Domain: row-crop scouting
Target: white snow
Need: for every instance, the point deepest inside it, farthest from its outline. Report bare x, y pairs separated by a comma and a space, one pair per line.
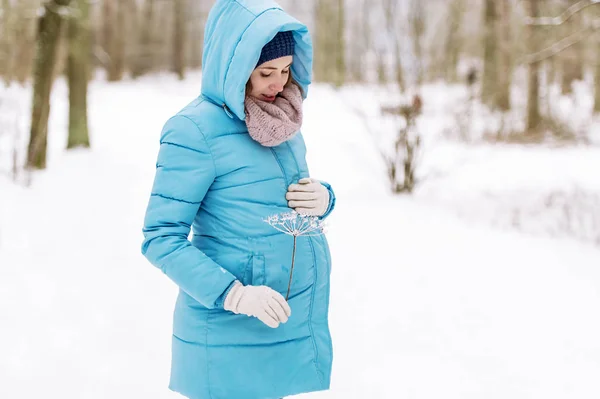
429, 300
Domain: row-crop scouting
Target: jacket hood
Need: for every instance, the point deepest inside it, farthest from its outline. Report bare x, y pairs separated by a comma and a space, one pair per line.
235, 34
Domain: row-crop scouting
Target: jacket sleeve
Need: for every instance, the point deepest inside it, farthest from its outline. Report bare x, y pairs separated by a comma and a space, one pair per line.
185, 169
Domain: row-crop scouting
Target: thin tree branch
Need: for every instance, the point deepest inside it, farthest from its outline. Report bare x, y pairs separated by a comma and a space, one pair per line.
564, 17
563, 44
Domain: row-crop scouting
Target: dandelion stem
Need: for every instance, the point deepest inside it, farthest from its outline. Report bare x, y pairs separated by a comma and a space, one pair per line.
291, 270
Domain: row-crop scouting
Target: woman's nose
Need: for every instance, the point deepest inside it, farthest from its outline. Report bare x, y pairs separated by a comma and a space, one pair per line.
277, 86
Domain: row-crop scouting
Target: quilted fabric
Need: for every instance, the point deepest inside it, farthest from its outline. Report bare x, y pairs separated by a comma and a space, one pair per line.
214, 181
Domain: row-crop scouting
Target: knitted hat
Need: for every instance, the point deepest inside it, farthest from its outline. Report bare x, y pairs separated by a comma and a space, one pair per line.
280, 46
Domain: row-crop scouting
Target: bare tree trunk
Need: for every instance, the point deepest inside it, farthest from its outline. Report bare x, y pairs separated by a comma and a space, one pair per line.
322, 32
552, 67
453, 42
49, 27
106, 38
107, 29
358, 44
118, 49
6, 41
132, 38
572, 57
144, 57
533, 107
597, 69
113, 38
179, 12
78, 71
196, 28
504, 55
354, 52
25, 40
330, 65
62, 51
382, 77
162, 40
553, 34
597, 80
365, 38
417, 27
340, 46
489, 84
392, 15
399, 69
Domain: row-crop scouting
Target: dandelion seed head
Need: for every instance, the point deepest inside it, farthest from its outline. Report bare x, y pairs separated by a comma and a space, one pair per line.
289, 216
272, 219
296, 224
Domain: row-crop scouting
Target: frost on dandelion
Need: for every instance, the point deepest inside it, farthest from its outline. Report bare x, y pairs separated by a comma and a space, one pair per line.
296, 224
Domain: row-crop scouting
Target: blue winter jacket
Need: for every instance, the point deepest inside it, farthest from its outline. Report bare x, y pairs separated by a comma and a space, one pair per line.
212, 178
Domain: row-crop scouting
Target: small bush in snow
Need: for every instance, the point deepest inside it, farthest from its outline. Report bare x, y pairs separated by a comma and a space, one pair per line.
402, 162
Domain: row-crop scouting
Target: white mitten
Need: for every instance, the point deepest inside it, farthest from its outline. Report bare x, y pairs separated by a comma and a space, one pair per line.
262, 302
309, 197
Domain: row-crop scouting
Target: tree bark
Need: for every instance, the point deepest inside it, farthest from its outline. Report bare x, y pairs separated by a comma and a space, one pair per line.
78, 71
107, 31
329, 57
132, 17
162, 41
572, 57
49, 26
597, 70
392, 15
340, 46
179, 38
358, 44
453, 42
323, 35
489, 84
417, 24
196, 42
382, 77
144, 56
118, 70
533, 107
6, 42
25, 40
504, 55
597, 80
113, 39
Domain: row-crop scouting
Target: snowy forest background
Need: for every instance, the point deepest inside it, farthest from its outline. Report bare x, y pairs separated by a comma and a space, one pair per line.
462, 138
500, 74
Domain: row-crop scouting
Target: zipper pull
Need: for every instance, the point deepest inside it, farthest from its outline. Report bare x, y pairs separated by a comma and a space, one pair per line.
227, 111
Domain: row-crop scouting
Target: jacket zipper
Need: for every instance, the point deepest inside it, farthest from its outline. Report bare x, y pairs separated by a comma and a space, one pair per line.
310, 239
280, 166
293, 157
227, 111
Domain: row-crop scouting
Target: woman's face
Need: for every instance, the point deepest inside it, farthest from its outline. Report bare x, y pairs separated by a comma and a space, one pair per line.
269, 78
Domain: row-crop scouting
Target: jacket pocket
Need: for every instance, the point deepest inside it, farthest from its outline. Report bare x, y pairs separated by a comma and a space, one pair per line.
246, 277
257, 263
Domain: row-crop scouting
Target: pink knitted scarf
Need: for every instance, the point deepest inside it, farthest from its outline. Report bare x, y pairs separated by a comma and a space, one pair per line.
273, 123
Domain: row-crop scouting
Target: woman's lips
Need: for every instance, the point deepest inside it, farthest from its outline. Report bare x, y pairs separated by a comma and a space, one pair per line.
268, 98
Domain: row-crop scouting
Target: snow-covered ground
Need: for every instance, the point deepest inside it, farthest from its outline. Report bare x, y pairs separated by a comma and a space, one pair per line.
425, 304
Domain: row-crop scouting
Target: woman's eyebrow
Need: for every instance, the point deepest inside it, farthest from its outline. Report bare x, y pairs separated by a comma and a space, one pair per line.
273, 68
